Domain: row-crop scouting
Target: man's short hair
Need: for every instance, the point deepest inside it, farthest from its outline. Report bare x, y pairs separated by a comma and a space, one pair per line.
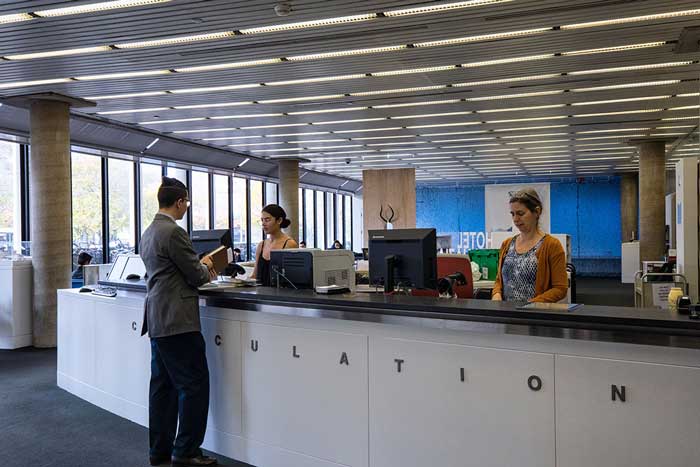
84, 258
171, 190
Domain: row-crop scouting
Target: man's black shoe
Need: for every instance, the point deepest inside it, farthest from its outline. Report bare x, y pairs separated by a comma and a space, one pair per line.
159, 460
194, 461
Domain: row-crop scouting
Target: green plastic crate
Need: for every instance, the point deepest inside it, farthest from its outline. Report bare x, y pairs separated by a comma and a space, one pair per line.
487, 258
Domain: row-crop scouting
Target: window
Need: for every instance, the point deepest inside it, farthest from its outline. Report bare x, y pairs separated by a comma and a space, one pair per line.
122, 222
221, 201
10, 230
310, 236
320, 220
347, 219
199, 194
270, 193
256, 232
150, 182
86, 183
302, 231
240, 216
339, 219
180, 174
330, 220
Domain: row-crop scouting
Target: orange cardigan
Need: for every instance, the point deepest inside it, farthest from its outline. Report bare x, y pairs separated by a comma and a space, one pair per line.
551, 282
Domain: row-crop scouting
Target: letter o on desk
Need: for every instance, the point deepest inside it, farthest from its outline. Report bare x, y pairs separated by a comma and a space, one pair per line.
217, 340
534, 382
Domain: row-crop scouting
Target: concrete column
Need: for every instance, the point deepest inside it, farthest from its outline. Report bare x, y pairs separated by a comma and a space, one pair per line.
50, 212
289, 194
652, 193
629, 207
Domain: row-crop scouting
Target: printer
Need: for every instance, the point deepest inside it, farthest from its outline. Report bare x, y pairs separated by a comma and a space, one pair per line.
308, 268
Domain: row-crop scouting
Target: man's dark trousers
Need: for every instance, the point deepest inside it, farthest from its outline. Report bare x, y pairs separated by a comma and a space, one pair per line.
179, 388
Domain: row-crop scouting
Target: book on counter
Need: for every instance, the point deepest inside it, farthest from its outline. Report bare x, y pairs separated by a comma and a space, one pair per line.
537, 306
220, 258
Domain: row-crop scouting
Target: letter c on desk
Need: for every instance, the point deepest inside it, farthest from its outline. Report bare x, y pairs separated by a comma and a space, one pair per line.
217, 340
254, 345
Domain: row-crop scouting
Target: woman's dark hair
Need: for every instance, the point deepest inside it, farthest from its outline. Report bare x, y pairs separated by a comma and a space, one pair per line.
84, 258
171, 190
278, 213
528, 197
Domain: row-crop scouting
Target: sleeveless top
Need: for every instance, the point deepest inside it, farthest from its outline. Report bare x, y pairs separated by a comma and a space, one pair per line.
263, 268
519, 272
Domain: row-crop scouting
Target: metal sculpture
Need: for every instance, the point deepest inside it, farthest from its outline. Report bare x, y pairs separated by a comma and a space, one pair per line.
387, 221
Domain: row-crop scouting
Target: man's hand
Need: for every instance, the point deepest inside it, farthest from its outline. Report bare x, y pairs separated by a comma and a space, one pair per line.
207, 261
497, 297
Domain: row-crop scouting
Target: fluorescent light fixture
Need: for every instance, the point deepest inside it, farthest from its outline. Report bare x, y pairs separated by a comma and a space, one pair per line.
527, 128
301, 99
233, 117
308, 133
621, 130
531, 119
15, 18
650, 66
399, 143
204, 130
231, 87
309, 24
128, 74
176, 40
314, 141
280, 125
397, 90
227, 66
58, 53
152, 143
244, 162
175, 120
346, 53
441, 7
334, 122
689, 94
368, 130
224, 138
622, 112
208, 106
481, 145
408, 71
133, 111
323, 111
127, 95
533, 136
615, 101
238, 145
473, 132
544, 141
502, 61
628, 85
21, 84
459, 140
685, 107
439, 125
443, 114
601, 158
95, 7
517, 109
320, 79
673, 119
631, 19
619, 48
482, 37
506, 80
412, 104
514, 96
383, 137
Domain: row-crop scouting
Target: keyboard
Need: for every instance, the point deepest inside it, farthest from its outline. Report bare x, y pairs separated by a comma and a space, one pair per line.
105, 291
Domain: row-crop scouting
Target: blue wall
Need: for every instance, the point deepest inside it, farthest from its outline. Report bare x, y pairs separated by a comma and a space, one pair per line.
588, 210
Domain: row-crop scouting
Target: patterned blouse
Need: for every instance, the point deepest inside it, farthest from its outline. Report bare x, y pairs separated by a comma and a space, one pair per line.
519, 272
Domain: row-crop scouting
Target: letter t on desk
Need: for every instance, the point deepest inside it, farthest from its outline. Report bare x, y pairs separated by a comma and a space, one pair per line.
399, 362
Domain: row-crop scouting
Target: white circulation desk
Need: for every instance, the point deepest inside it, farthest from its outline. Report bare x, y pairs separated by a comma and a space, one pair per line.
15, 303
364, 380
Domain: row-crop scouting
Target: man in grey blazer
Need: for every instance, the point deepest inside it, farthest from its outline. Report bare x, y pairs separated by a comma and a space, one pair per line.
179, 388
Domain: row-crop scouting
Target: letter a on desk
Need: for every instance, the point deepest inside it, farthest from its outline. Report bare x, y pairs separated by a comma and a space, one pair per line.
344, 359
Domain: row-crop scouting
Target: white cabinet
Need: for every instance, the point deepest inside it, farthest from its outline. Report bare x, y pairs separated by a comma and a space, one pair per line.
76, 338
223, 341
15, 304
452, 406
306, 391
614, 413
122, 355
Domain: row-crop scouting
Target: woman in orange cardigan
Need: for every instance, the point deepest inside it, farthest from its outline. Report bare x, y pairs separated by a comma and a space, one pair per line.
532, 264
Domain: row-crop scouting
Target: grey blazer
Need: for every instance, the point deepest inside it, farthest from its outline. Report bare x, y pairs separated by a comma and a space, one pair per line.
174, 273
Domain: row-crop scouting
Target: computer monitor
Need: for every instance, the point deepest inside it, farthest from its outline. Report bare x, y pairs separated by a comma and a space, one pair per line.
403, 256
206, 241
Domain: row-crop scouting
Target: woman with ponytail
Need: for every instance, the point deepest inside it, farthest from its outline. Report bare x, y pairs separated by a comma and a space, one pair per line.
273, 219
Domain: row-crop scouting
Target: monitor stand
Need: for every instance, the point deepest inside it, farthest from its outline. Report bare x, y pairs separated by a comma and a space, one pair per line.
390, 263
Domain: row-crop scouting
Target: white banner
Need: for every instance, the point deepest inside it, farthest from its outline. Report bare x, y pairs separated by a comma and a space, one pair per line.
497, 210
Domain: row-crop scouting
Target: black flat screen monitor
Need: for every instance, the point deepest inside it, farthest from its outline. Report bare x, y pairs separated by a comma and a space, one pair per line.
403, 257
206, 241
